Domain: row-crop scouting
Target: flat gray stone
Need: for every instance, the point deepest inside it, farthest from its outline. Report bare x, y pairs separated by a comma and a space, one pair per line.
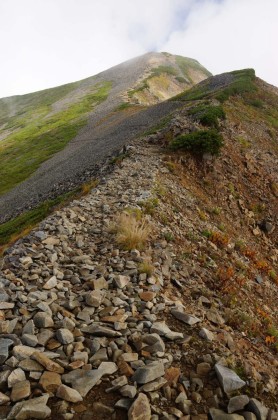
128, 391
214, 316
186, 318
30, 340
117, 383
154, 343
17, 375
35, 408
82, 381
148, 373
68, 394
217, 414
64, 336
121, 281
237, 403
43, 320
228, 379
257, 408
95, 298
206, 334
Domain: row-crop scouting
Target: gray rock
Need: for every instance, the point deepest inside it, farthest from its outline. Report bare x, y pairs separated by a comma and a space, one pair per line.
95, 298
214, 316
12, 362
29, 327
124, 404
43, 320
64, 336
30, 340
187, 319
68, 394
128, 391
117, 383
228, 379
183, 403
17, 375
237, 403
154, 343
257, 408
99, 356
140, 409
51, 283
107, 368
30, 365
154, 385
4, 297
162, 328
35, 408
148, 373
206, 334
121, 281
100, 283
217, 414
5, 344
23, 352
83, 381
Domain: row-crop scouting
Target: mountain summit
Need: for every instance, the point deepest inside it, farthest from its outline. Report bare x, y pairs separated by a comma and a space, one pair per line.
37, 126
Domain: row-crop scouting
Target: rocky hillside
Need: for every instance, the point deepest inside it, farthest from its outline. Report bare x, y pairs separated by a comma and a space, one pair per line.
155, 295
70, 122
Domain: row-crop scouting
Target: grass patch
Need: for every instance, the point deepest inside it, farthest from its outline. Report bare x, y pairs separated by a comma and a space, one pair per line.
23, 151
123, 106
199, 142
159, 126
146, 267
186, 64
130, 232
245, 144
163, 70
221, 87
208, 115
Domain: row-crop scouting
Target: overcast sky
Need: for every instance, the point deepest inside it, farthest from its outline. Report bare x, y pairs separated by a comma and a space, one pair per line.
45, 43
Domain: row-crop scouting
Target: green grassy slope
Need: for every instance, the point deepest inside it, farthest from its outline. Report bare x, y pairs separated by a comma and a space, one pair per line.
36, 133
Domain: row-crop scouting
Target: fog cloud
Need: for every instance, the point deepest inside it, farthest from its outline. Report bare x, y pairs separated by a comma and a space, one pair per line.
45, 43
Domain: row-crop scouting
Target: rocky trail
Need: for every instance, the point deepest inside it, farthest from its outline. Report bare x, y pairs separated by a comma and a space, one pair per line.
92, 331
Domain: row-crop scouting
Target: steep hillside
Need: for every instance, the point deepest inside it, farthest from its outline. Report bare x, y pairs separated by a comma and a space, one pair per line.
154, 296
147, 298
34, 127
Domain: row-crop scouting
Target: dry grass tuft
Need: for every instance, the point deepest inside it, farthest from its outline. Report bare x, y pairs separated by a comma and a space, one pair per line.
146, 267
131, 233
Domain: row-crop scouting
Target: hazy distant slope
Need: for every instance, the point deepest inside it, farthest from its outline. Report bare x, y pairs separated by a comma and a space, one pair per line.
35, 126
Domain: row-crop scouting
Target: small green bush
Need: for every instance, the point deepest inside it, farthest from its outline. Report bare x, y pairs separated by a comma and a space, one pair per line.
257, 103
199, 142
208, 115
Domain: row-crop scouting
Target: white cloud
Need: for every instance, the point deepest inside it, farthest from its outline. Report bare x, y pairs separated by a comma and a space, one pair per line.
231, 35
44, 43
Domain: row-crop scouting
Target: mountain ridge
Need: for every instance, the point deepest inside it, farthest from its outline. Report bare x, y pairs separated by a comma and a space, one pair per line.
153, 290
